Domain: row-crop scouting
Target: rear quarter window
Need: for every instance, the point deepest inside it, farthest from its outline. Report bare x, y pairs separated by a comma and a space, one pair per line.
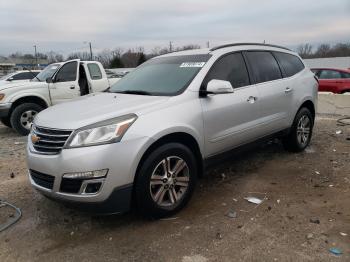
290, 64
264, 66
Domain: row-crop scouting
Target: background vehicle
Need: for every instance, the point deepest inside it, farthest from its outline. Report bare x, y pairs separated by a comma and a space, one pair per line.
149, 137
333, 80
57, 83
18, 76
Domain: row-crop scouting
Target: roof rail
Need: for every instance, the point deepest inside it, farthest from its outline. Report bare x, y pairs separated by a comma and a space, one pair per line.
238, 44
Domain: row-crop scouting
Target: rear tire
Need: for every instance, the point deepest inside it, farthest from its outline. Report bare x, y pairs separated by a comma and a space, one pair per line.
301, 131
6, 121
165, 181
22, 117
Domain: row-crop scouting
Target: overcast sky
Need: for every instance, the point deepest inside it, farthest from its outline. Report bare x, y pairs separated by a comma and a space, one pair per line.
64, 25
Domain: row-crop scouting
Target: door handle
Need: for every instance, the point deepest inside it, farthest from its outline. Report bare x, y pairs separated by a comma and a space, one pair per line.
72, 87
252, 99
288, 90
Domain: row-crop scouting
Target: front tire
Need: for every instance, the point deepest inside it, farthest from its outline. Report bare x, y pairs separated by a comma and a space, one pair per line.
165, 181
300, 134
22, 117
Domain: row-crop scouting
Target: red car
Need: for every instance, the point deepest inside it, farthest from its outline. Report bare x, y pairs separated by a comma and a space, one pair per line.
333, 80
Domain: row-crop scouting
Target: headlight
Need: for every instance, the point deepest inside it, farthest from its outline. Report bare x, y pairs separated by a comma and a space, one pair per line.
2, 96
105, 132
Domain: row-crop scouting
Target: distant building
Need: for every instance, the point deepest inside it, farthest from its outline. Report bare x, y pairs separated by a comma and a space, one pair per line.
8, 65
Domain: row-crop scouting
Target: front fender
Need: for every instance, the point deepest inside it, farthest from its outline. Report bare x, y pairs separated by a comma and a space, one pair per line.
15, 97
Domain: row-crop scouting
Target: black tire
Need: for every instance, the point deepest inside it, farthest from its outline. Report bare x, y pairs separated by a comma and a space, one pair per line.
291, 142
145, 203
17, 113
6, 121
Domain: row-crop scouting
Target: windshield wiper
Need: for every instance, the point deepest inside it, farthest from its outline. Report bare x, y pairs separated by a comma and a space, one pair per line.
32, 74
135, 92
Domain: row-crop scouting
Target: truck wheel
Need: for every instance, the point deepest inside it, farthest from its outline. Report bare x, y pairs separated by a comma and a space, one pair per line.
6, 121
301, 131
22, 117
165, 181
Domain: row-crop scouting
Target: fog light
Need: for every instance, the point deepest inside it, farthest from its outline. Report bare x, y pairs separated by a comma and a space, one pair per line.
93, 188
87, 174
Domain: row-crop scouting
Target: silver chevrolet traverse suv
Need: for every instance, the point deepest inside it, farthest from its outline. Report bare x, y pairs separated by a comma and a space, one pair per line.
143, 142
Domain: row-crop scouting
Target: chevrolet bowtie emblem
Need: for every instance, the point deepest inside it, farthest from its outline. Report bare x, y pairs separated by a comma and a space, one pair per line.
34, 138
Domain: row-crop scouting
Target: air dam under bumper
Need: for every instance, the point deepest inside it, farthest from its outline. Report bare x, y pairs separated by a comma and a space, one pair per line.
115, 193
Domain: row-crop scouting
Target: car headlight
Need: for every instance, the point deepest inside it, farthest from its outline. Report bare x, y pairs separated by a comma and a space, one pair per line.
105, 132
2, 96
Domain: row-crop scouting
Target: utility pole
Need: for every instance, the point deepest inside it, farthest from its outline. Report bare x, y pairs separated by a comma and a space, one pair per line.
170, 46
90, 51
36, 56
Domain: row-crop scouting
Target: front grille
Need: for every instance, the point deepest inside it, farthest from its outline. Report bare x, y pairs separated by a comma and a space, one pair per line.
42, 179
69, 185
49, 141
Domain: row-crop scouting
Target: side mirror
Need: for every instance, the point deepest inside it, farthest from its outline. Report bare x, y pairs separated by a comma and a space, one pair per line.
49, 80
216, 86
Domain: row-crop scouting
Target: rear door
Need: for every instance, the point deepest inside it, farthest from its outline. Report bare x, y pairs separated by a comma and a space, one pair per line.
274, 92
65, 84
330, 80
230, 119
96, 77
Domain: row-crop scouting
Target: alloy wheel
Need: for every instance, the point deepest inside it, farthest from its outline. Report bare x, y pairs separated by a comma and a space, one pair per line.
169, 181
27, 118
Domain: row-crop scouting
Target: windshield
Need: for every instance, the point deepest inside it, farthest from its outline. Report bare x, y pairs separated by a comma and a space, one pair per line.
47, 72
6, 76
163, 76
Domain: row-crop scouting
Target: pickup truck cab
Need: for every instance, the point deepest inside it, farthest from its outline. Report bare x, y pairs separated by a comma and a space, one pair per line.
57, 83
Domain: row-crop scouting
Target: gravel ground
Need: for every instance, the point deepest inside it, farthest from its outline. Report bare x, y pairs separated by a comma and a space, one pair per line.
306, 208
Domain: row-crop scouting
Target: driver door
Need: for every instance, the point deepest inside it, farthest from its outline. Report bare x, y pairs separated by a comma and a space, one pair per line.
230, 119
65, 84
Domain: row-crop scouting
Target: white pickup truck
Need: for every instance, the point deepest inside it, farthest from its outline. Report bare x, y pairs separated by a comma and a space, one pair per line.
57, 83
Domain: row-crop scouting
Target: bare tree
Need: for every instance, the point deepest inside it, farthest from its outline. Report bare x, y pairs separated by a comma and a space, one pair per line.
188, 47
79, 55
53, 57
305, 50
322, 50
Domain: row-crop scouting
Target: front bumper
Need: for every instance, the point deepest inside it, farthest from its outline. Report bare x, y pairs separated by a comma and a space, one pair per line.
5, 109
121, 159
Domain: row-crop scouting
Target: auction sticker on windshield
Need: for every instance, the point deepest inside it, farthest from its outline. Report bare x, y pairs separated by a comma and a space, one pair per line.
192, 64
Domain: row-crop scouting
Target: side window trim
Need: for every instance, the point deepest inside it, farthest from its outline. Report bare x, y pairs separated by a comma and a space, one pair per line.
203, 87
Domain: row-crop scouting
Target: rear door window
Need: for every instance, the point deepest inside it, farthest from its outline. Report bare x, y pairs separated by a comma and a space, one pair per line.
230, 68
264, 66
329, 74
290, 64
94, 71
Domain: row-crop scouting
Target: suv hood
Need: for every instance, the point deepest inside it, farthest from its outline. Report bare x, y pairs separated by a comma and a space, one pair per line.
94, 108
33, 84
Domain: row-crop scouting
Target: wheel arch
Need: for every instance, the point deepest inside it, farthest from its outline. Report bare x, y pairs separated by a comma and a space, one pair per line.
29, 99
309, 105
176, 137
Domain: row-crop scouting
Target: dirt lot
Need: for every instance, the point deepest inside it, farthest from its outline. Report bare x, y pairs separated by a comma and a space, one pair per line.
300, 188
